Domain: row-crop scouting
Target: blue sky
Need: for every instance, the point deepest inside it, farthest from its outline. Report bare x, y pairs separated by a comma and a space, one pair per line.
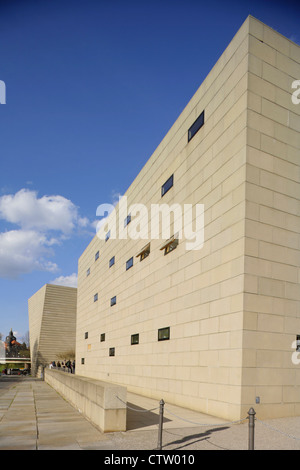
92, 87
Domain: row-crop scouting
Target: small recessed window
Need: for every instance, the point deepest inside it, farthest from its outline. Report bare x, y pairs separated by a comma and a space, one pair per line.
127, 220
113, 301
88, 272
86, 335
82, 360
170, 244
135, 339
95, 297
111, 261
171, 247
102, 337
196, 126
107, 236
129, 263
298, 343
111, 351
167, 185
163, 334
144, 252
96, 255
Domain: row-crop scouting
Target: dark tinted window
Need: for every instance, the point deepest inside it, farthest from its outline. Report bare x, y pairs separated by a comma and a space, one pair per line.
163, 334
135, 339
127, 220
129, 263
196, 126
167, 185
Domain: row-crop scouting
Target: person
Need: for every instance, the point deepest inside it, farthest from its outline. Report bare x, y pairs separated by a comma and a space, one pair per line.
58, 364
73, 366
68, 365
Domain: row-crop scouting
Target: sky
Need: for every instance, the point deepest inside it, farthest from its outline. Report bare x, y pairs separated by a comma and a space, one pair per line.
91, 89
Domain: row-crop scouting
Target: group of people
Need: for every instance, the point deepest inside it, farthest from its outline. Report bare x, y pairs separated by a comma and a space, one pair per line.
64, 365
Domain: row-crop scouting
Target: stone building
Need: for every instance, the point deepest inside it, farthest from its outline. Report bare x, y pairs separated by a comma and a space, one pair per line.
214, 328
52, 324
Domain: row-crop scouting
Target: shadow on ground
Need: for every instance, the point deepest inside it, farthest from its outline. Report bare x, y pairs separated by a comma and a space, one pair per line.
138, 417
185, 441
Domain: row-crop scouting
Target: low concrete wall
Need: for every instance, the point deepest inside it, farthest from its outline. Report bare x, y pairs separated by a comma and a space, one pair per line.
95, 399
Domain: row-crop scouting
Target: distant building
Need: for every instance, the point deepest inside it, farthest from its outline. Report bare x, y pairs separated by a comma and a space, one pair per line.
52, 324
11, 345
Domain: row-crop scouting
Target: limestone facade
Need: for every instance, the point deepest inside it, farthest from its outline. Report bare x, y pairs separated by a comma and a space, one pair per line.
210, 329
52, 324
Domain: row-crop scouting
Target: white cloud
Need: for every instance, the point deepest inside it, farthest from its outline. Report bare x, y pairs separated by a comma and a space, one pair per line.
23, 251
69, 281
83, 222
41, 224
115, 197
47, 213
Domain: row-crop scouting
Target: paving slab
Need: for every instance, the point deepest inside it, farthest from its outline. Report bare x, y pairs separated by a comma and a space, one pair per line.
33, 416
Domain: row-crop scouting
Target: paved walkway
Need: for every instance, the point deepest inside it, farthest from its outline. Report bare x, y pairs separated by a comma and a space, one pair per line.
33, 416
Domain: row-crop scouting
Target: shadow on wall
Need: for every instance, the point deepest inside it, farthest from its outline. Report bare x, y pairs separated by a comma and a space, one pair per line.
37, 360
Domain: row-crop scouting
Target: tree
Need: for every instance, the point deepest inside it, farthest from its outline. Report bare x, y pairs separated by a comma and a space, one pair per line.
25, 339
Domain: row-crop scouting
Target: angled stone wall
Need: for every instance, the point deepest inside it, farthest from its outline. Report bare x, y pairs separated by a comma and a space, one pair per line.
52, 324
103, 403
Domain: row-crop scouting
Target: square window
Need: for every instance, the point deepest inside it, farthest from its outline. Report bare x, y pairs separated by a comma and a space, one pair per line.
88, 272
167, 185
164, 334
102, 337
298, 343
82, 360
129, 263
96, 297
86, 335
111, 351
111, 261
135, 339
196, 126
113, 301
96, 255
107, 236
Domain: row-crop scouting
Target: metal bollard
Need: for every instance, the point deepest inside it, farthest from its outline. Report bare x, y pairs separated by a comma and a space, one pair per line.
251, 414
160, 424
